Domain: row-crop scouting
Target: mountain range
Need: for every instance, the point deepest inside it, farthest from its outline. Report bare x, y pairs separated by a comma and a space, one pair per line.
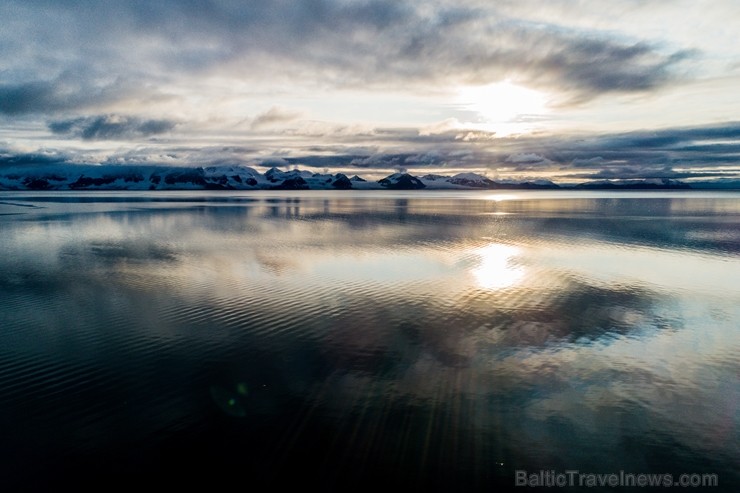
122, 177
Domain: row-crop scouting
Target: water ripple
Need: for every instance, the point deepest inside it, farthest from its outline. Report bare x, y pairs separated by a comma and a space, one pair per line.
437, 341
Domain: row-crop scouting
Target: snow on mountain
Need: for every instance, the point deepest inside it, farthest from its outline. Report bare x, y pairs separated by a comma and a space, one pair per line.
130, 177
649, 184
507, 183
473, 180
306, 180
75, 177
401, 181
237, 177
275, 175
433, 177
119, 177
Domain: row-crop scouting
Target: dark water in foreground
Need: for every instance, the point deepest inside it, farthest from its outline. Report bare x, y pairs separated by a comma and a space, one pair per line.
437, 341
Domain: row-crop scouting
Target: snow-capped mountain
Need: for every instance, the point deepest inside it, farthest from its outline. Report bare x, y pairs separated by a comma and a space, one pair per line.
402, 181
123, 177
117, 177
649, 183
472, 180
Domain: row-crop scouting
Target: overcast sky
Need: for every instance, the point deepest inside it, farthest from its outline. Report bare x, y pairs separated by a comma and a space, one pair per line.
566, 89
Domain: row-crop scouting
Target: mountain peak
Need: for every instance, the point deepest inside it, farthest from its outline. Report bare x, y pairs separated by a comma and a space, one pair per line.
402, 181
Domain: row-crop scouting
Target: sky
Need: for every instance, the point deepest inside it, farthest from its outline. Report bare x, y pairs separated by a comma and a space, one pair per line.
569, 90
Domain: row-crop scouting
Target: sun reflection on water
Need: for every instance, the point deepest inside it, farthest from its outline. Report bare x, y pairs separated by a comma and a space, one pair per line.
500, 197
496, 268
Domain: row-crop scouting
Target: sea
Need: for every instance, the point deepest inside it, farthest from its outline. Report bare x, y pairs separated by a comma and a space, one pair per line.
370, 340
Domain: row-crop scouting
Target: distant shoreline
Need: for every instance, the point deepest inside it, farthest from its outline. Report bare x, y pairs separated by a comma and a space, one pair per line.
243, 178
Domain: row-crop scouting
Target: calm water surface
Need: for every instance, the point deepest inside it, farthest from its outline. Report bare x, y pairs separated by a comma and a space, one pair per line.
437, 341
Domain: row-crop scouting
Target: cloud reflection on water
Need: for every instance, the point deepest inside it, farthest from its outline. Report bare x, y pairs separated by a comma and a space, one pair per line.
535, 337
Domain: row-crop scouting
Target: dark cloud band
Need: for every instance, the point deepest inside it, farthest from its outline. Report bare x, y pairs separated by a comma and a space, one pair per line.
110, 127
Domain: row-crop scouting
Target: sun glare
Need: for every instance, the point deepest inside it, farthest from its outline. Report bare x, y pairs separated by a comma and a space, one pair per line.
502, 106
496, 269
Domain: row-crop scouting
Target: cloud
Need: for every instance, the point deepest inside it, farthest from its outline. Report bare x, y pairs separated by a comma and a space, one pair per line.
110, 127
527, 158
652, 153
694, 152
588, 162
638, 172
29, 97
64, 92
475, 135
275, 162
431, 158
9, 157
275, 116
590, 67
353, 132
672, 146
381, 160
331, 43
445, 126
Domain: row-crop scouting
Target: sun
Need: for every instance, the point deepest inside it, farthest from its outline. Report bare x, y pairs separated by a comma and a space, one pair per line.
503, 106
